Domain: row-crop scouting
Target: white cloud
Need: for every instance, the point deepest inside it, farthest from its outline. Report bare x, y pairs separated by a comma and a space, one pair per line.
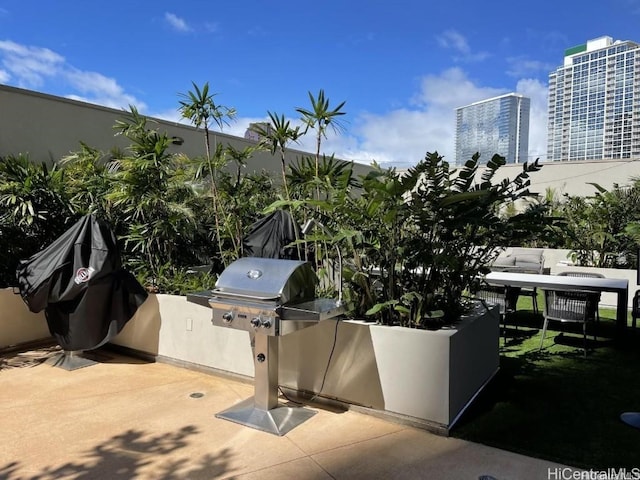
403, 136
177, 23
211, 27
453, 40
31, 67
99, 89
451, 89
236, 127
521, 67
239, 126
538, 93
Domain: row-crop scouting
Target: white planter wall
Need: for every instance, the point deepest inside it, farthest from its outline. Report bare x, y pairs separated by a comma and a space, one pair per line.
426, 375
429, 376
17, 324
170, 327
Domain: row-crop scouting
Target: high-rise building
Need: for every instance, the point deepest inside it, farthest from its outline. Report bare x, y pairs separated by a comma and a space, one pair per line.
594, 102
496, 125
253, 132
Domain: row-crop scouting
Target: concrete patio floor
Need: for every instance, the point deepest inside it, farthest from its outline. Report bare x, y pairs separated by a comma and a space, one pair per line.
124, 418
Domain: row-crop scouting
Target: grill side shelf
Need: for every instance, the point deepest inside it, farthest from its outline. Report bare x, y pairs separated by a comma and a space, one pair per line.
200, 298
314, 310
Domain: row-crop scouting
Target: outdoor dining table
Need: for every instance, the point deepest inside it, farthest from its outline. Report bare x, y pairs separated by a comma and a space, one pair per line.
584, 284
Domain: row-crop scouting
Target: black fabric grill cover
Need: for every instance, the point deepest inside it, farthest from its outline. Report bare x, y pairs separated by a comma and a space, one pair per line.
79, 282
269, 237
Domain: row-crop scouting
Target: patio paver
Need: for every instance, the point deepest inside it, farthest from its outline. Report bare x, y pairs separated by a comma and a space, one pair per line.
124, 418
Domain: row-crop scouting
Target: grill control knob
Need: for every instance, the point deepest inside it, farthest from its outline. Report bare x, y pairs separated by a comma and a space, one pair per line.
266, 323
227, 317
256, 322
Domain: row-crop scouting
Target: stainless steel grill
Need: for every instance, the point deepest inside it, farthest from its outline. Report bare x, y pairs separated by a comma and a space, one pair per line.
268, 298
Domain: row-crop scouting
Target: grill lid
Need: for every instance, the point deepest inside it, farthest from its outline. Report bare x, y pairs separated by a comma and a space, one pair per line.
254, 278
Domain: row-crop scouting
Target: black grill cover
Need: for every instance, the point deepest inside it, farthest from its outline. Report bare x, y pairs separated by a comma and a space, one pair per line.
79, 282
270, 236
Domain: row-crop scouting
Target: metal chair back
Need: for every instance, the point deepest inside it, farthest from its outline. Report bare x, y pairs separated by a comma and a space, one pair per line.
568, 306
505, 297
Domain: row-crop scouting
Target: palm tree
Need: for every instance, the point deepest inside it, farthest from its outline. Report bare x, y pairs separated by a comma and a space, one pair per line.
200, 108
233, 222
275, 137
149, 197
320, 117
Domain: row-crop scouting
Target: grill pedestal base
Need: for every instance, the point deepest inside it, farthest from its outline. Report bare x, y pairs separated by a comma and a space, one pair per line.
262, 410
279, 420
72, 360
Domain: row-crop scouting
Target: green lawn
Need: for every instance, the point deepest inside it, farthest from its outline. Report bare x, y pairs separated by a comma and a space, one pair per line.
555, 404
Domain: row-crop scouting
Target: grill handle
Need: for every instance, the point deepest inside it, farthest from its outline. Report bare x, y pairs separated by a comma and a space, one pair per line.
222, 293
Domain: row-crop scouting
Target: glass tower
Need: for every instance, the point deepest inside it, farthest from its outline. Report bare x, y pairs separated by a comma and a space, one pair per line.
594, 102
496, 125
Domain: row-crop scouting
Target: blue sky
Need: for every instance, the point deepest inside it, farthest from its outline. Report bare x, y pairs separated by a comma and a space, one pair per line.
402, 67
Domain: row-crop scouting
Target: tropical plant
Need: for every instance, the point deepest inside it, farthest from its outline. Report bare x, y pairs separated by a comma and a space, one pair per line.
459, 227
320, 117
170, 279
412, 244
199, 106
600, 229
244, 197
332, 173
151, 194
419, 241
275, 136
34, 210
87, 175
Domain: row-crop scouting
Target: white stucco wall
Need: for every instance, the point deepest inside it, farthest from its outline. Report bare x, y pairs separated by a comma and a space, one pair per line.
171, 327
575, 178
17, 324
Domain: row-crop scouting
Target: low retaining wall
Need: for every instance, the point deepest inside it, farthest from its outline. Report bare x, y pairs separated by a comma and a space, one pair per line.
169, 327
17, 324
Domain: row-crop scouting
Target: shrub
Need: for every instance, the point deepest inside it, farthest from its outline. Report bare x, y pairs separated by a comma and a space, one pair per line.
417, 242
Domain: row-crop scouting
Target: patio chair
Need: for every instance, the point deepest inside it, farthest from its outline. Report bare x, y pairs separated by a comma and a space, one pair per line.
594, 296
523, 260
503, 296
568, 306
